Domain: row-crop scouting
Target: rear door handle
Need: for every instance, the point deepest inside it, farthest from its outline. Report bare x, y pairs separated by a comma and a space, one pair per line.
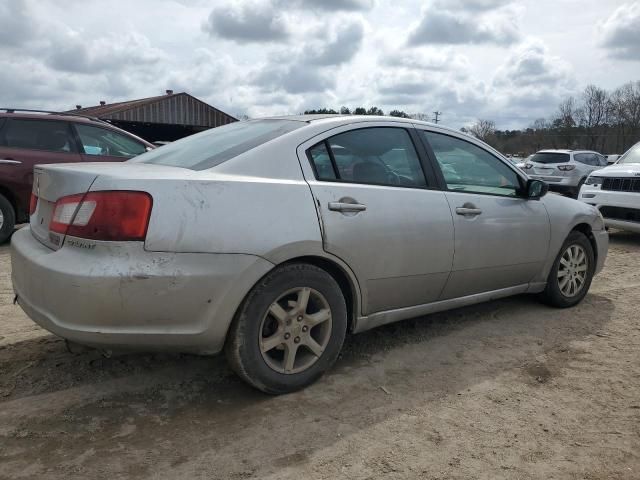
9, 161
346, 207
468, 210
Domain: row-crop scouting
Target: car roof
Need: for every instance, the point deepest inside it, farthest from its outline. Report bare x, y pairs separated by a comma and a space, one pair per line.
346, 119
53, 116
70, 117
564, 150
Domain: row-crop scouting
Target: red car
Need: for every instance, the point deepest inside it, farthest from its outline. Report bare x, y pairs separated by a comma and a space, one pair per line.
28, 139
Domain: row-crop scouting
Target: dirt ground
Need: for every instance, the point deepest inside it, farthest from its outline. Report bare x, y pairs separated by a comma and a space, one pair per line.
508, 389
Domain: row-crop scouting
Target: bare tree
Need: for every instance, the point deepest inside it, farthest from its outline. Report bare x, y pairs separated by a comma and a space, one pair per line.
482, 129
420, 116
592, 113
565, 123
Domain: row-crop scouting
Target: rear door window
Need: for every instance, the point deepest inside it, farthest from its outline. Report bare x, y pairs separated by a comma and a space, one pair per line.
587, 159
48, 135
101, 141
376, 155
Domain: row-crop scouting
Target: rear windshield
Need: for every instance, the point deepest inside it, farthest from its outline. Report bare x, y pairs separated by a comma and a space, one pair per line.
213, 147
632, 155
550, 158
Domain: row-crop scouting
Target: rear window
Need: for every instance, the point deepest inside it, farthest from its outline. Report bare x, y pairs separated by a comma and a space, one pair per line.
550, 158
632, 155
213, 147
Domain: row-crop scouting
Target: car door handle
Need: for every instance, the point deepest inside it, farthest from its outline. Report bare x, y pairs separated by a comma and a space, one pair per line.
468, 211
346, 207
9, 161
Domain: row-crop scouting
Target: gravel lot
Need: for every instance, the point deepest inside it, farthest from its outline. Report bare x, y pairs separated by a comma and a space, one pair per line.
509, 389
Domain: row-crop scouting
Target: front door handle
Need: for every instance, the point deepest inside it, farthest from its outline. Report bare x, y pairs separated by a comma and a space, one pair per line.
9, 161
468, 210
346, 207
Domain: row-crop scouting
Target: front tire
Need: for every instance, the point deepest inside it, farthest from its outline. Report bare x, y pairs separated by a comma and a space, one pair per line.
572, 272
289, 330
7, 219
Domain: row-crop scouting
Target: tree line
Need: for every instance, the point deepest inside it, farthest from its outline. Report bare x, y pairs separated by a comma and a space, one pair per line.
357, 111
597, 119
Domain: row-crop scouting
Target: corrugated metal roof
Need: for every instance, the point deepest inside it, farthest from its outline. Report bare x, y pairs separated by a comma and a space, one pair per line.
172, 109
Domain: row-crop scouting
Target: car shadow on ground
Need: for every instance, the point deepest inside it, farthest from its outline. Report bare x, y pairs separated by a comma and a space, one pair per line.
620, 237
171, 399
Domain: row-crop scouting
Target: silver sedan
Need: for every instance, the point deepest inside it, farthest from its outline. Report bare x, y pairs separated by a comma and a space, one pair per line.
272, 238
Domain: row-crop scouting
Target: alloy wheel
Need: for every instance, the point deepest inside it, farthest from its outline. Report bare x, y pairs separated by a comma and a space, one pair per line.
572, 271
295, 330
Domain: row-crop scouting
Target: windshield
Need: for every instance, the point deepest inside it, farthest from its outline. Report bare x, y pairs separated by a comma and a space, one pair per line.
217, 145
632, 155
550, 157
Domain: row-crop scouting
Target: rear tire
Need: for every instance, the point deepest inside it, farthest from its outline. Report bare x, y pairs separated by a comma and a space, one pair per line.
7, 219
566, 284
289, 330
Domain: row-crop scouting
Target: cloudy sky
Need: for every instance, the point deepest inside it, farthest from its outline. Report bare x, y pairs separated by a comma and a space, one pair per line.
509, 61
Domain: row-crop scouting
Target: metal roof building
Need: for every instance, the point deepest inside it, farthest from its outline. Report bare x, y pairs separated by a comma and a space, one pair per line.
163, 118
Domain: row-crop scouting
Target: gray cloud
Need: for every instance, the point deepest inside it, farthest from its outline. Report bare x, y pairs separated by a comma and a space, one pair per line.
470, 5
69, 52
439, 26
620, 33
294, 79
16, 24
342, 48
248, 22
406, 88
331, 5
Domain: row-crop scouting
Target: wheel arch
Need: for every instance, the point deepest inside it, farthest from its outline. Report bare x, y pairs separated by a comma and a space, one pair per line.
6, 193
585, 229
346, 281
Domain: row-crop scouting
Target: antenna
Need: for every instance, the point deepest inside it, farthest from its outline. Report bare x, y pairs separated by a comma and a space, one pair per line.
436, 116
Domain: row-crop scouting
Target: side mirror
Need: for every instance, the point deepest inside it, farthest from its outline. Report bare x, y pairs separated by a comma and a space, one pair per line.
536, 189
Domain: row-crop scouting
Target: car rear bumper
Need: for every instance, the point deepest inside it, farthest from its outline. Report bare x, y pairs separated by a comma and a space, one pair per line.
118, 295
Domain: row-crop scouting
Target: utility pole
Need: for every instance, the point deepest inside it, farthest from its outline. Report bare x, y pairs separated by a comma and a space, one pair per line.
435, 117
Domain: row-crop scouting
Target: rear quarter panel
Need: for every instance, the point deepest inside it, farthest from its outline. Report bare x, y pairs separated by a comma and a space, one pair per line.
216, 211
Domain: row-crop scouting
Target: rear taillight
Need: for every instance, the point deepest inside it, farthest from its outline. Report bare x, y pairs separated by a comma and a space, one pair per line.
566, 168
108, 215
33, 203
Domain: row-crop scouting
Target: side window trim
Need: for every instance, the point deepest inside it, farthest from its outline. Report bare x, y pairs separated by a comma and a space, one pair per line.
441, 180
410, 132
332, 157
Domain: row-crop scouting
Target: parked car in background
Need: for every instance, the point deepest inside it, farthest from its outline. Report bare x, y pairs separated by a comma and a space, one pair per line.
273, 238
28, 139
564, 170
615, 190
612, 158
521, 163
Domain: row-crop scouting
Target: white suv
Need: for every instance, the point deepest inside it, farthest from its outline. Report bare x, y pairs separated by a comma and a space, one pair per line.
564, 170
615, 190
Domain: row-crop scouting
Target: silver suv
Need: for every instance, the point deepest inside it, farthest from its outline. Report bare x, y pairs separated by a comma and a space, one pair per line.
564, 170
